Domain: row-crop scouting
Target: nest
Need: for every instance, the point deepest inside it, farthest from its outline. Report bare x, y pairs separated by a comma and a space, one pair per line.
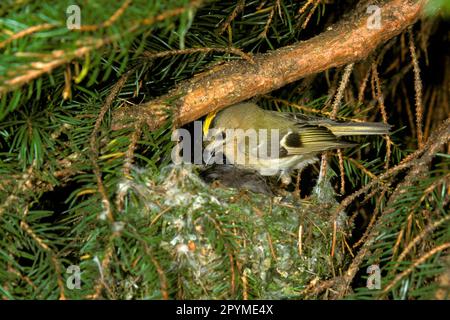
220, 243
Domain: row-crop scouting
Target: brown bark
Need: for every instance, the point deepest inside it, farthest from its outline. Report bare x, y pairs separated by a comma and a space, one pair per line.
346, 42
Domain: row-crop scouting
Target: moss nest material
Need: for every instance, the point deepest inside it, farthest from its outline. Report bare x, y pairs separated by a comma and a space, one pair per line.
220, 243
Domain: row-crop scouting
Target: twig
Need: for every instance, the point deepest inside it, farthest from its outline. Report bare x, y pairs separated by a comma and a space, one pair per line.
239, 7
154, 55
230, 251
263, 34
380, 98
340, 93
20, 186
162, 212
300, 240
333, 242
129, 157
130, 151
94, 144
361, 167
363, 86
169, 14
422, 235
308, 109
305, 6
110, 20
418, 89
39, 241
416, 263
26, 227
244, 286
398, 241
103, 266
161, 274
372, 221
341, 170
323, 167
26, 32
271, 247
315, 286
316, 4
67, 92
23, 277
335, 107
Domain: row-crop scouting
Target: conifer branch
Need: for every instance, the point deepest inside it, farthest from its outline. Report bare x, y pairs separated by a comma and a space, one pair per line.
346, 42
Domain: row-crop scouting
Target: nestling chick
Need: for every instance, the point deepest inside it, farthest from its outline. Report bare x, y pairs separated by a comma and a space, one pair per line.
277, 142
233, 177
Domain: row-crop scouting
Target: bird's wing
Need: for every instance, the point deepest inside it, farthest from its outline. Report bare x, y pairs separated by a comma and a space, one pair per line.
310, 139
338, 128
297, 136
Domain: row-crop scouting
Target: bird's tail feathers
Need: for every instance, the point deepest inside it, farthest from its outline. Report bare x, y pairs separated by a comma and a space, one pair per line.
358, 128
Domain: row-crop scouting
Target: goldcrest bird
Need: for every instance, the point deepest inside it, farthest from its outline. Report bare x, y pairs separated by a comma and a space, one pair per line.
274, 142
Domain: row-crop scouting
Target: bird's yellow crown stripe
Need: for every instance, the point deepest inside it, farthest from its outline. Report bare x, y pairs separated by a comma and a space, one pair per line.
207, 123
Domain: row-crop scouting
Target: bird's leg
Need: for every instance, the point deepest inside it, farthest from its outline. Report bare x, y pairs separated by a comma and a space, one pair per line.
297, 184
285, 178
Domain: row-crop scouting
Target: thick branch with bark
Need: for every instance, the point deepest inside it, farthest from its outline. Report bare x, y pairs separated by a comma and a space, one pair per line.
348, 41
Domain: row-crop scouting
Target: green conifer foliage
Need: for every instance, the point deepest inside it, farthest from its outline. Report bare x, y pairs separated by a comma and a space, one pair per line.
90, 211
